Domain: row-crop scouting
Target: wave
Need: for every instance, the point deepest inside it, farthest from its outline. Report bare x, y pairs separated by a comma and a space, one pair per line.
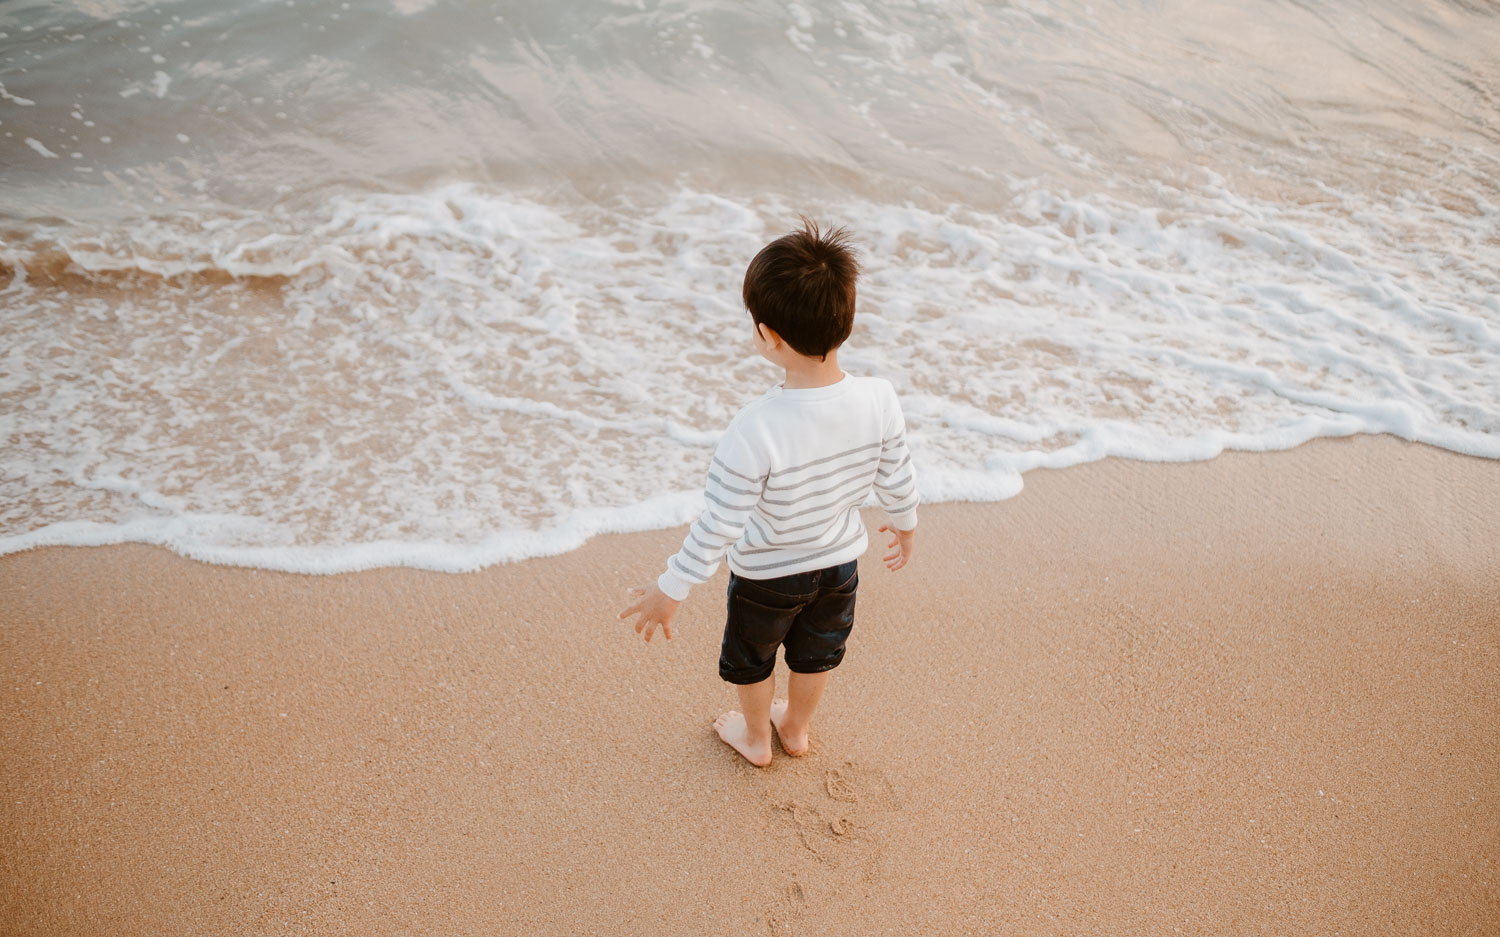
461, 376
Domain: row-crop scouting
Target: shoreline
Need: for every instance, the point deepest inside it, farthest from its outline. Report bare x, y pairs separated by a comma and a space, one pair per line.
1255, 694
323, 560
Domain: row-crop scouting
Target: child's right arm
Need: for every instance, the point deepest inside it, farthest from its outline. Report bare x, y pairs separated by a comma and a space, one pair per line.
736, 477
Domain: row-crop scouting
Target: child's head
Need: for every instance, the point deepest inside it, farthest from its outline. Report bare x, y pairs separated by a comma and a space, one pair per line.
802, 286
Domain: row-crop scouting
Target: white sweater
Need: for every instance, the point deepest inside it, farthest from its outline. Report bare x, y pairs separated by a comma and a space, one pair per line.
788, 478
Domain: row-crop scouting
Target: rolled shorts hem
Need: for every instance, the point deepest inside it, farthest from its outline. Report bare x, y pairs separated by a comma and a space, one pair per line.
820, 667
739, 678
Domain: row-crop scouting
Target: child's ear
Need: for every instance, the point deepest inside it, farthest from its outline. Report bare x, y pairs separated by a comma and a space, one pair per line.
769, 334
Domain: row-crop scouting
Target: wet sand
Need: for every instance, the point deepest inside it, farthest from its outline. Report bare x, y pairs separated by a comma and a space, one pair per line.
1258, 695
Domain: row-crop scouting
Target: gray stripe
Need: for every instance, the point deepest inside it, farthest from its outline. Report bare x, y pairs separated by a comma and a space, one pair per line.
866, 477
720, 463
695, 557
710, 513
720, 482
865, 461
888, 472
778, 547
755, 523
892, 486
823, 521
830, 458
824, 514
694, 537
772, 546
860, 484
820, 524
897, 507
725, 504
696, 578
805, 557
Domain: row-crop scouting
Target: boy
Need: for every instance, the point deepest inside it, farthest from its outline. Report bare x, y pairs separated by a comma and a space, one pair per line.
783, 495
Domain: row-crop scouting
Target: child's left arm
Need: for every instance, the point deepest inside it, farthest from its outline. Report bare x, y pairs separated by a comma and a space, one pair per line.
655, 608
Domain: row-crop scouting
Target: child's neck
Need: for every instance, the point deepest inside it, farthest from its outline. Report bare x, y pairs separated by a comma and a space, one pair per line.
811, 372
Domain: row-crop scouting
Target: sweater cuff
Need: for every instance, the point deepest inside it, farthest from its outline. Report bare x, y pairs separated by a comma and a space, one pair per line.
903, 520
674, 586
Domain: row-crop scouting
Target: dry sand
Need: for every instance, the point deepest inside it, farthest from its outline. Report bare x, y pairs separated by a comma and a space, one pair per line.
1258, 695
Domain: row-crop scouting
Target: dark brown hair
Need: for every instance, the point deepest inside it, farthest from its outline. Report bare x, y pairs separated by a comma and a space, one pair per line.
802, 285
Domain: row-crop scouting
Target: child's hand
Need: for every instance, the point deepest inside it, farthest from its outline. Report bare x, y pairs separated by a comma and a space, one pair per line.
655, 608
904, 543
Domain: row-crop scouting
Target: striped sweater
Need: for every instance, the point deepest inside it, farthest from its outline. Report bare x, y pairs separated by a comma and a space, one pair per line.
787, 480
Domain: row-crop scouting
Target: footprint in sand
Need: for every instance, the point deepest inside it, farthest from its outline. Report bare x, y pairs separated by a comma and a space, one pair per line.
809, 823
844, 814
838, 819
785, 917
852, 784
841, 785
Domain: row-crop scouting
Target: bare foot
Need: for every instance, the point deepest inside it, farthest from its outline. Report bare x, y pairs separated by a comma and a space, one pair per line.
795, 743
731, 728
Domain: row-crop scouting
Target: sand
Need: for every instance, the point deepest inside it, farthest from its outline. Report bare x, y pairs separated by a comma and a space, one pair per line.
1257, 695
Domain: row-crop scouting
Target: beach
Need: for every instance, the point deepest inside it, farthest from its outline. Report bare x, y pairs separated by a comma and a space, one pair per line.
1253, 695
357, 356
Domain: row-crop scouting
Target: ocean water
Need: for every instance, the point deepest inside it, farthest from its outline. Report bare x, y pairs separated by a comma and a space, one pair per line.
322, 285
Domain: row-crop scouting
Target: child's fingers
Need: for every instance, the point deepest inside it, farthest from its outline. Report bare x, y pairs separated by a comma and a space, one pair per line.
666, 630
636, 592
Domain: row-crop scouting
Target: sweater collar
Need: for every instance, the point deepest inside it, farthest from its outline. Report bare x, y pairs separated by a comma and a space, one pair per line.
813, 393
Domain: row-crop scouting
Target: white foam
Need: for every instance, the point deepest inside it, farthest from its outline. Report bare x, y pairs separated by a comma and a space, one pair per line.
413, 7
462, 377
15, 98
40, 148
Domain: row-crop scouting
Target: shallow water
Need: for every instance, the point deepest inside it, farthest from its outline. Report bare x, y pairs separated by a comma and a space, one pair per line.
330, 285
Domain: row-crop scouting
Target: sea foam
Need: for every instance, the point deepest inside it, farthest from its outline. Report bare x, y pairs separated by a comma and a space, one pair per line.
459, 377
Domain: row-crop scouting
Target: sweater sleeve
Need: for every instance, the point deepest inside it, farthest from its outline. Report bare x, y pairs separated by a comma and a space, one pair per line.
896, 479
736, 477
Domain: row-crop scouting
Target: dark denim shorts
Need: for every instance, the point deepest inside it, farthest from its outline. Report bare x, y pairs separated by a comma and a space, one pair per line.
809, 613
